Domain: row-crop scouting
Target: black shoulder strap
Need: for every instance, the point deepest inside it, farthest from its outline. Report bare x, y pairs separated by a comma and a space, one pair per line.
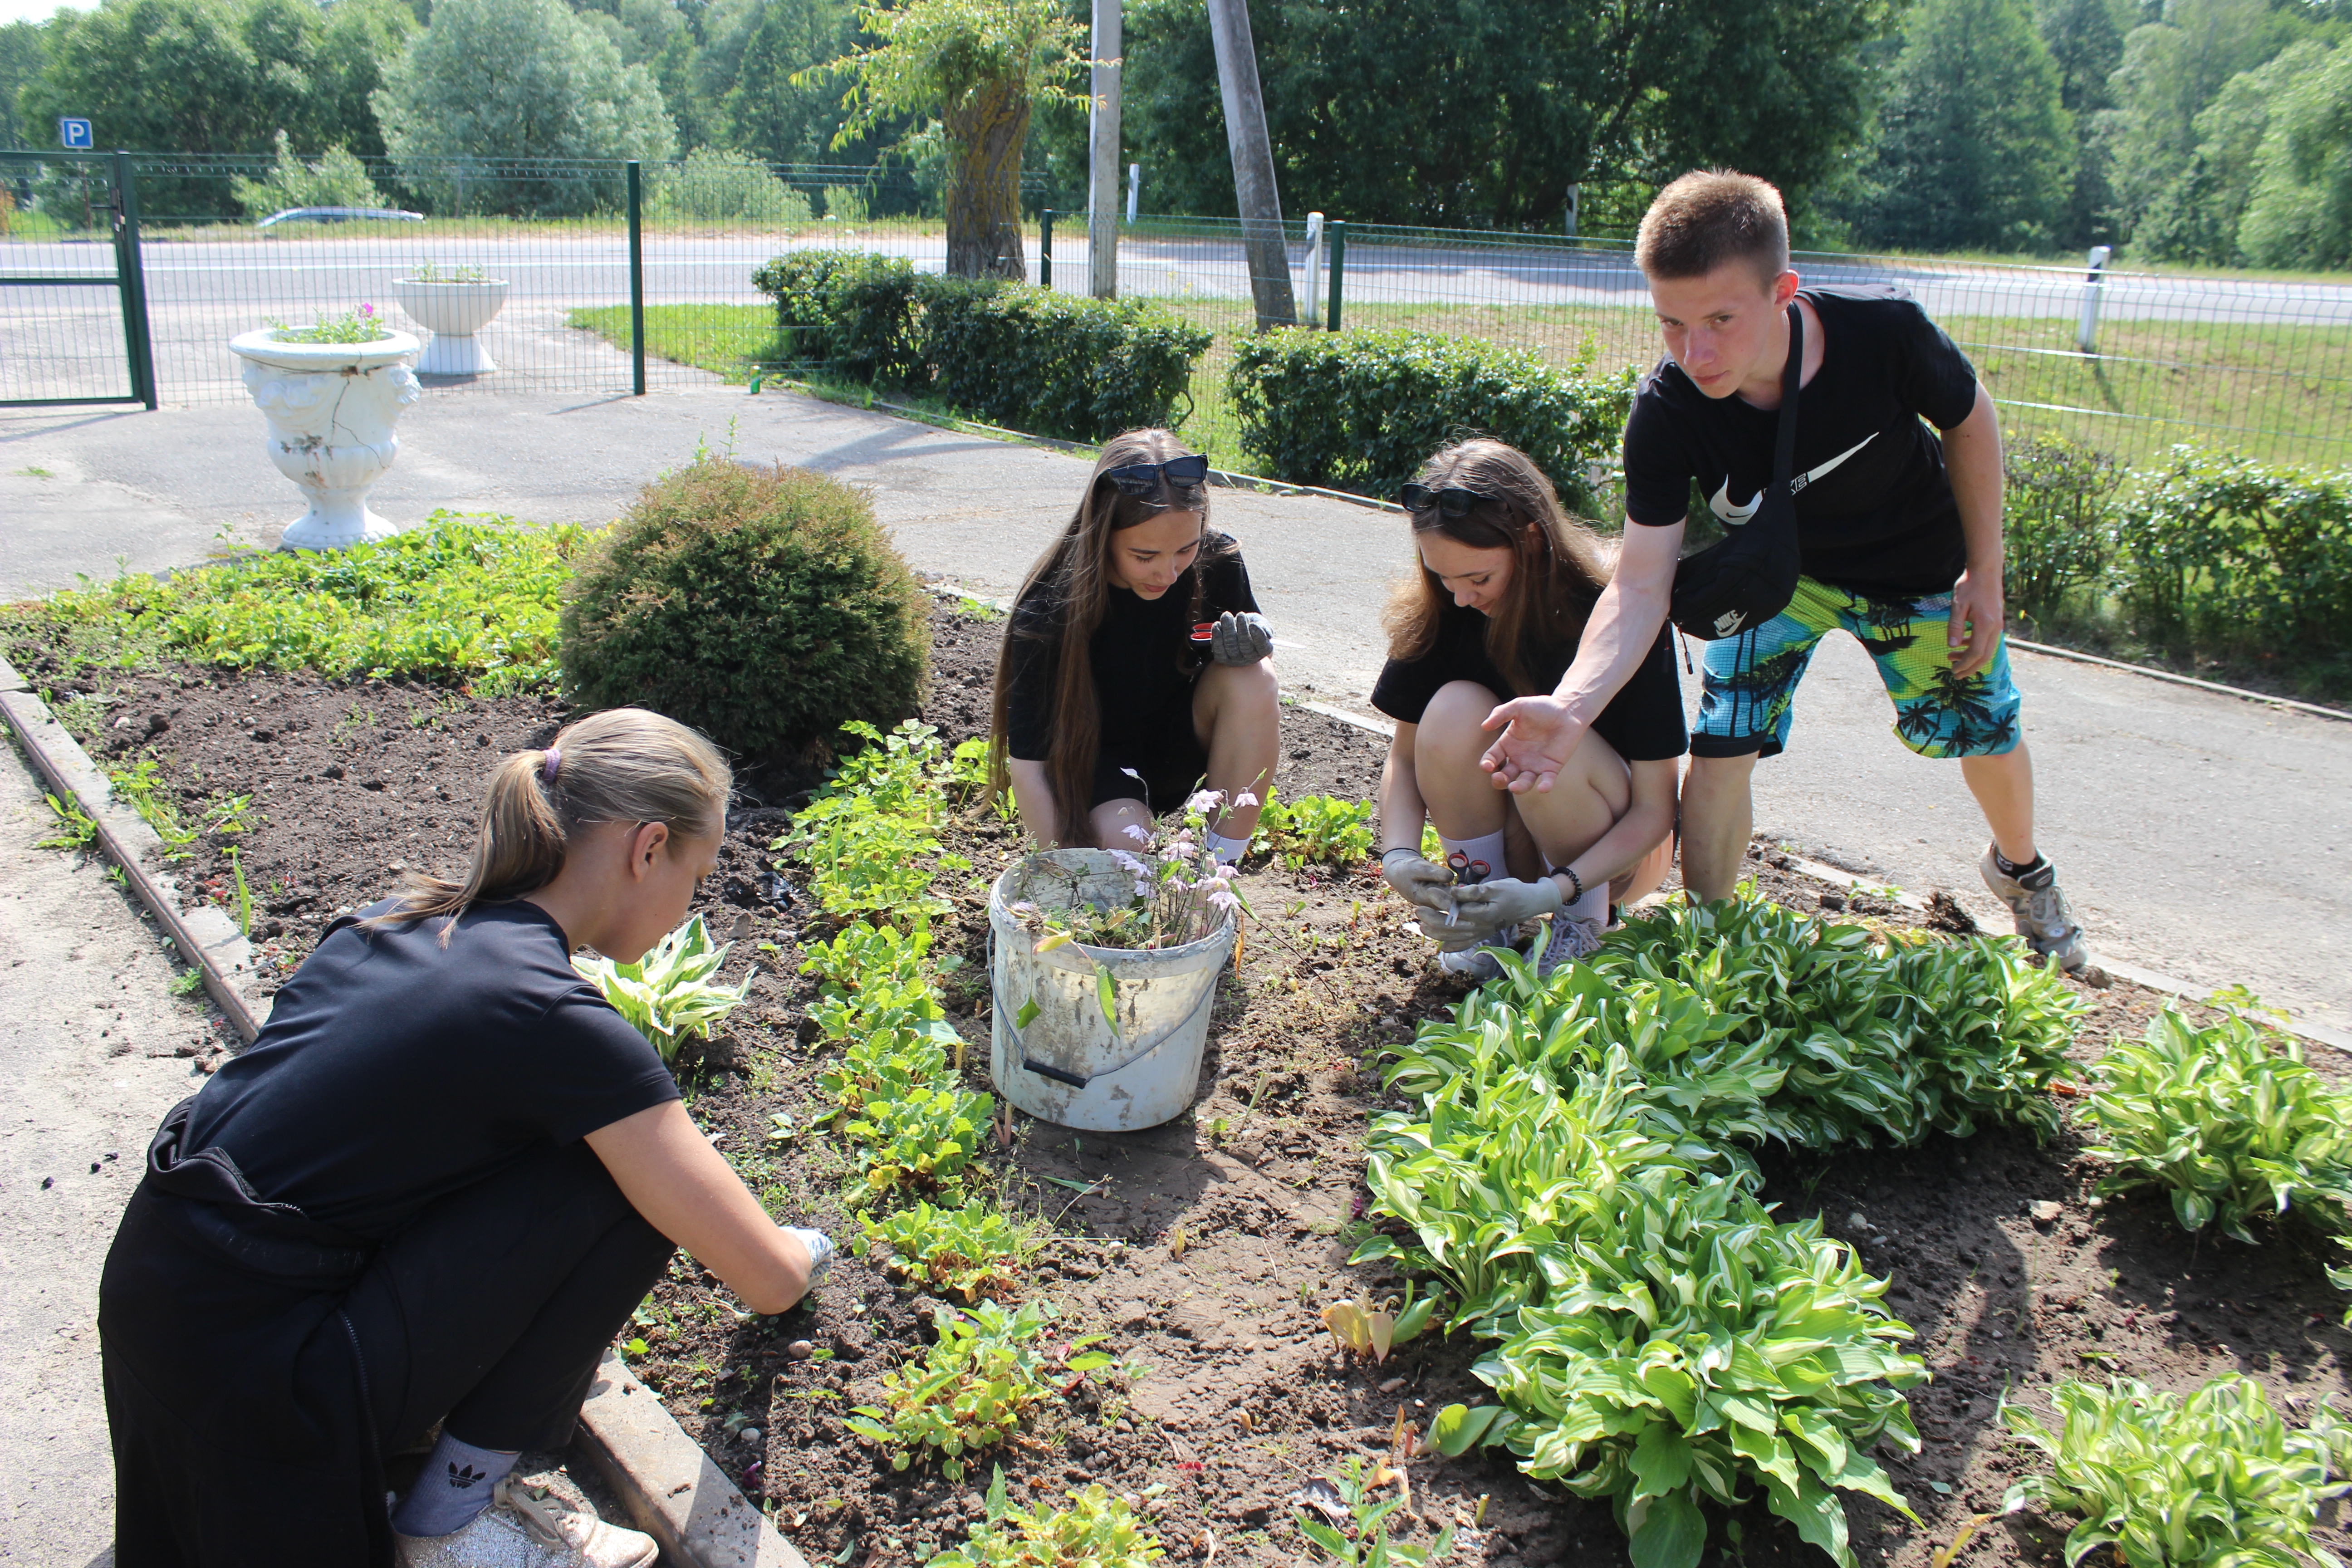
1784, 454
1784, 457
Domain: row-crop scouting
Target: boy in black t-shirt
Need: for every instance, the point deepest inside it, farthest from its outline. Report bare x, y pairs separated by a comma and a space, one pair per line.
1899, 535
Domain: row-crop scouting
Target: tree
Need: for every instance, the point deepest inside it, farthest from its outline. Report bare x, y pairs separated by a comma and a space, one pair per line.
336, 180
1974, 146
773, 108
24, 51
517, 80
1482, 112
2197, 216
2171, 72
2085, 39
978, 65
2300, 211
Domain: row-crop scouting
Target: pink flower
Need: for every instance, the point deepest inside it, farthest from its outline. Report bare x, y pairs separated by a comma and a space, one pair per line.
1223, 898
1131, 829
1243, 799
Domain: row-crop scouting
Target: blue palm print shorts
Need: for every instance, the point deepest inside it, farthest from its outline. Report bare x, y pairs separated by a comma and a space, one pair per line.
1748, 696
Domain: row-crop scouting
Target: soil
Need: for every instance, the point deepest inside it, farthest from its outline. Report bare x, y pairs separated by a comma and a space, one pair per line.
1205, 1248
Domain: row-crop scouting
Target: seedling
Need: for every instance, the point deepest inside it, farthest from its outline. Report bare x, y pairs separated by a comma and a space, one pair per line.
1366, 1328
976, 1250
1095, 1529
972, 1388
1340, 1517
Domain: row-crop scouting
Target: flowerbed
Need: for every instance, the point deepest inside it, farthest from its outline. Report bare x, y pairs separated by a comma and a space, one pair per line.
1207, 1250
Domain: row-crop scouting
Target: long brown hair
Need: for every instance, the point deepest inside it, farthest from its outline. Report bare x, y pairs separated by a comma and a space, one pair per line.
1558, 566
624, 764
1063, 601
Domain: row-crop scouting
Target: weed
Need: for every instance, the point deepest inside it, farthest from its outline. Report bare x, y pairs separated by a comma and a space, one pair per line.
74, 829
1348, 1496
187, 982
1095, 1530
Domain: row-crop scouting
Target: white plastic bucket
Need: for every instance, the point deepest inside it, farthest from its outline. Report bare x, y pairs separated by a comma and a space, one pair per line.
1068, 1065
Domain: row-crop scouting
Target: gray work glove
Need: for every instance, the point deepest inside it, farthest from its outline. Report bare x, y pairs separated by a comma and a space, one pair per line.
1241, 638
1417, 880
820, 1252
1487, 908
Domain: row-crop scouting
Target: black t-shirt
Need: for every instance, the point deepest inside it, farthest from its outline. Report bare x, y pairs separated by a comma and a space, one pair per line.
1644, 721
394, 1072
1875, 510
1143, 655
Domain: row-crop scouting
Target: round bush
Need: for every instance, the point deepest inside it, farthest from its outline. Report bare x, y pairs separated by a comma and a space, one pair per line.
763, 606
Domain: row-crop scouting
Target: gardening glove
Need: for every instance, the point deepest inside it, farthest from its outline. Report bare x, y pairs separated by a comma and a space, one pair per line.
820, 1252
1418, 881
1243, 639
1497, 906
1450, 936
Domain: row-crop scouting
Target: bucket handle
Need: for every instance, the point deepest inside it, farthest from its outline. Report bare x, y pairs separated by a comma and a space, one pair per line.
1080, 1080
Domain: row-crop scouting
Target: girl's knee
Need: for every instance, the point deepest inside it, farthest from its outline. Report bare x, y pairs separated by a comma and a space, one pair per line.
1248, 690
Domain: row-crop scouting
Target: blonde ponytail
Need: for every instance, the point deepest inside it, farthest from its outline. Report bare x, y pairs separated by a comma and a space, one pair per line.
625, 764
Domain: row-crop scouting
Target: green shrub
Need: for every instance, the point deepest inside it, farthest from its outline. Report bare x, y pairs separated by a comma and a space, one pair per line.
2228, 1119
1057, 364
2225, 553
710, 186
1361, 410
336, 180
847, 309
2218, 1480
763, 606
1029, 358
2055, 523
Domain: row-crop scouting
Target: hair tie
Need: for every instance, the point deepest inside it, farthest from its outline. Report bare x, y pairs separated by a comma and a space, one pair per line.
552, 760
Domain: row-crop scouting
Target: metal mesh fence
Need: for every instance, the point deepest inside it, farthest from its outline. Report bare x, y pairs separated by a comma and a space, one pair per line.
2263, 367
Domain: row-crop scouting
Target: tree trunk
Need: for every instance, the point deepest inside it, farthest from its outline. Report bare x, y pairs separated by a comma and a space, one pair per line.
1255, 195
984, 139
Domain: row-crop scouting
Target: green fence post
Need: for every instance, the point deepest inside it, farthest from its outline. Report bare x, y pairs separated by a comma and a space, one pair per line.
138, 341
1336, 231
1046, 248
636, 280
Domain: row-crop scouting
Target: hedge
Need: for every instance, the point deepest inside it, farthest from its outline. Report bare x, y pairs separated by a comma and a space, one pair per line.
1361, 410
1050, 363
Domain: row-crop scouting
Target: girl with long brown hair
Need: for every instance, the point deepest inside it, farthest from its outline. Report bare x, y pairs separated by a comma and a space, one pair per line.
430, 1194
1504, 581
1136, 664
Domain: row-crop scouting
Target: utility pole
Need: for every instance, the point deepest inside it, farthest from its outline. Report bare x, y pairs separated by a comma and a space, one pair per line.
1102, 168
1254, 193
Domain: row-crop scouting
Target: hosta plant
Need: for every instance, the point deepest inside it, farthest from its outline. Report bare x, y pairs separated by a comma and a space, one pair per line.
1691, 1350
669, 994
1373, 1329
971, 1389
2215, 1479
2228, 1119
1093, 1530
976, 1250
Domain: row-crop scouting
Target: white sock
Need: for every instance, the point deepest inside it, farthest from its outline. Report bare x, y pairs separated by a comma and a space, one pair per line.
1228, 851
1474, 852
453, 1486
1593, 907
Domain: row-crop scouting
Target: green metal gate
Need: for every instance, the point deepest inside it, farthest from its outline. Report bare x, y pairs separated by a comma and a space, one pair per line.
46, 354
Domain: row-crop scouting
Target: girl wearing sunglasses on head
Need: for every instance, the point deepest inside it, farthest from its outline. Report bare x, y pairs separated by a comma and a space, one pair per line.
1495, 611
1136, 664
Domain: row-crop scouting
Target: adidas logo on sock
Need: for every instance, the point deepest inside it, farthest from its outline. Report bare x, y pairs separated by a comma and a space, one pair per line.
465, 1478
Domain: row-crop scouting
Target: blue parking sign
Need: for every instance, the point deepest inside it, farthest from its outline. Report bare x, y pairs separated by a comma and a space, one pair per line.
74, 133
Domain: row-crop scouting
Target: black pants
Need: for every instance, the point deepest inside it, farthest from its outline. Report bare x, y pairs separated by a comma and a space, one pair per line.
493, 1307
232, 1354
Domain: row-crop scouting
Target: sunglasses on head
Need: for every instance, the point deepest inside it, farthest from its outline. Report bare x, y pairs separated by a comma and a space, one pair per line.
1142, 478
1448, 502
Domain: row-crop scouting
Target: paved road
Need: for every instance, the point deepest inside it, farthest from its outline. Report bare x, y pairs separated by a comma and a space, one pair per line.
88, 1028
56, 341
2201, 835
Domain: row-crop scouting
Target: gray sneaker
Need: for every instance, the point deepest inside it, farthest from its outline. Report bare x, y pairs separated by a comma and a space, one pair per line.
2043, 917
1478, 962
1569, 941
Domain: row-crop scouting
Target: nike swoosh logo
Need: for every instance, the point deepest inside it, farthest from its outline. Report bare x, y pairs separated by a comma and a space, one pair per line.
1734, 513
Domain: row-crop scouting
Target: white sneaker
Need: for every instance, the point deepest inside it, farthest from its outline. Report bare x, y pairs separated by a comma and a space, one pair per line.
518, 1531
2041, 913
1569, 941
1478, 962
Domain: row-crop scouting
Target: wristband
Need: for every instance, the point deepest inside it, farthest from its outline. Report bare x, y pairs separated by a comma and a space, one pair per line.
1574, 880
1399, 849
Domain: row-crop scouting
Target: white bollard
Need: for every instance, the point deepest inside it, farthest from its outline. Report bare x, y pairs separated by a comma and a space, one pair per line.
1134, 190
1314, 265
2086, 327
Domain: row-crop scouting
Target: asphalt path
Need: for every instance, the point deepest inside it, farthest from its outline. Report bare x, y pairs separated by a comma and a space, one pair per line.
2198, 835
67, 341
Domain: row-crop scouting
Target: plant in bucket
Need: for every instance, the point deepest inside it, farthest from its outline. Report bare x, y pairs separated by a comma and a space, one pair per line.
1104, 965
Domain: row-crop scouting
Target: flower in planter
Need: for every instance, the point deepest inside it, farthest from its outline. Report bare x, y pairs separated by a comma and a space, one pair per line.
358, 325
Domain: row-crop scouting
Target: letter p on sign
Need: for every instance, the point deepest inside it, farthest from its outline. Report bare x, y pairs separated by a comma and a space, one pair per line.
75, 134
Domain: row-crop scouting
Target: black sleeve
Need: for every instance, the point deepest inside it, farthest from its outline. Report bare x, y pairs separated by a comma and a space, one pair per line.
597, 1069
1644, 719
1658, 472
1405, 686
1932, 375
1227, 587
1029, 706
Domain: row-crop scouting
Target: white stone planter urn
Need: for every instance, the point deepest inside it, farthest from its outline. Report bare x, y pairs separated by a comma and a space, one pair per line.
453, 313
332, 409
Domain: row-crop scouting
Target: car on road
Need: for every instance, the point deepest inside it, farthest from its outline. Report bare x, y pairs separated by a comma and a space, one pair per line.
339, 214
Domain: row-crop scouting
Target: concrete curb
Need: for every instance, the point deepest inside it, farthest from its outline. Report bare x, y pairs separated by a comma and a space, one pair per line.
676, 1494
